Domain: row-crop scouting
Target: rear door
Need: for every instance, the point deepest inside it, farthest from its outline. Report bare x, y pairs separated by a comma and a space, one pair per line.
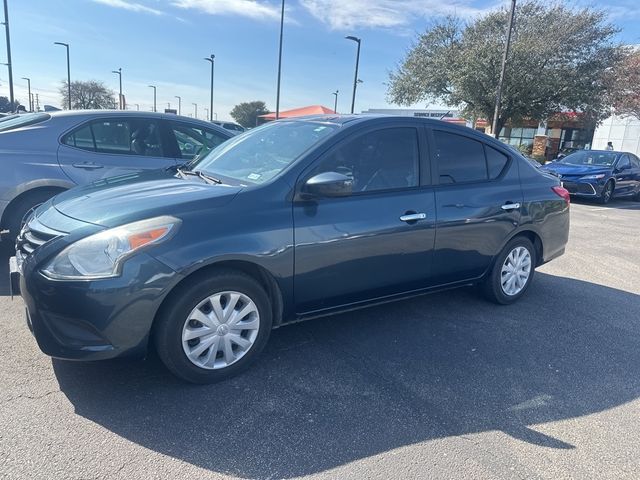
360, 247
478, 201
112, 146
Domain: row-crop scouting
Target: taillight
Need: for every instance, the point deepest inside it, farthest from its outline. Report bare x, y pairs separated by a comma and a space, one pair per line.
562, 192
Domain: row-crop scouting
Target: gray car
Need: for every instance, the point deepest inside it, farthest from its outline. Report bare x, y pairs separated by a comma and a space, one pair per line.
45, 153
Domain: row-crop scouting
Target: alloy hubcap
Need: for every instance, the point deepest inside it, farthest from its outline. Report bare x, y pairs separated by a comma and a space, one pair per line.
220, 330
516, 270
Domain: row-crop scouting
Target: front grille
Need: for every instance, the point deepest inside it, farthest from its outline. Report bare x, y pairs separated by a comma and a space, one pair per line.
32, 236
583, 188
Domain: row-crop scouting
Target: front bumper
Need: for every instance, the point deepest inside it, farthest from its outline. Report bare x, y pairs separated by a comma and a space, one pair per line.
585, 188
98, 319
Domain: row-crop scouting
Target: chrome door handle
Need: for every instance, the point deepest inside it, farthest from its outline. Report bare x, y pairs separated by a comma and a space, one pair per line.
87, 165
510, 206
413, 217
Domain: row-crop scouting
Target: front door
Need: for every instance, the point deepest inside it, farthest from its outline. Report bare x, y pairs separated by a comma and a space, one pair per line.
112, 146
626, 176
379, 240
478, 203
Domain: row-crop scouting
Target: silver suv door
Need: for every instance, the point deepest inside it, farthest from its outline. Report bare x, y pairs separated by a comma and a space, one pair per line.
111, 146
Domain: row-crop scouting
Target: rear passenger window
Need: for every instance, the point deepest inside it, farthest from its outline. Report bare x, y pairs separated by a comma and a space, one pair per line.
459, 158
496, 162
82, 138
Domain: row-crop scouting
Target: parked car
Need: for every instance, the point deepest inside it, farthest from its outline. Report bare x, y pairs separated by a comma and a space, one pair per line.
46, 153
600, 174
292, 220
231, 126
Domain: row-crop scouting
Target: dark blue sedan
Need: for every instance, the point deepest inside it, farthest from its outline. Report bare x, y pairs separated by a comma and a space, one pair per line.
289, 221
600, 174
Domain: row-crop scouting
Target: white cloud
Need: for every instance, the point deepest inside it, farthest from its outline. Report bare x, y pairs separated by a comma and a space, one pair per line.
259, 10
347, 14
131, 6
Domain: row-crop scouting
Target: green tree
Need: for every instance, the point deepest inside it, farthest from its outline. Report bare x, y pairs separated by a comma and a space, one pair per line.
7, 106
90, 94
246, 113
558, 61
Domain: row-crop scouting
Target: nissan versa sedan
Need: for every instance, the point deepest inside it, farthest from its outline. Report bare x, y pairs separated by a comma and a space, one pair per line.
46, 153
599, 174
292, 220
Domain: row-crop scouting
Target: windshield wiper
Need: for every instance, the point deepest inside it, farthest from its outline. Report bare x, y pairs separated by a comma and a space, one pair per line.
198, 173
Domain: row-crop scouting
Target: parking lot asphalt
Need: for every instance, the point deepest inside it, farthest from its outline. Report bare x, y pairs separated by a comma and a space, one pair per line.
442, 386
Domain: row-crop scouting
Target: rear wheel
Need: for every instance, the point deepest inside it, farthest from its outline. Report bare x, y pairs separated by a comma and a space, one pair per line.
512, 272
607, 192
214, 327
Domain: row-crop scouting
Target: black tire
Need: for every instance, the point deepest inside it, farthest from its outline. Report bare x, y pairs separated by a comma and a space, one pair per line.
607, 192
167, 332
23, 206
492, 284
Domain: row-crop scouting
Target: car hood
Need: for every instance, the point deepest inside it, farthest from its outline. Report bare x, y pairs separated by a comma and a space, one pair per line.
566, 169
127, 198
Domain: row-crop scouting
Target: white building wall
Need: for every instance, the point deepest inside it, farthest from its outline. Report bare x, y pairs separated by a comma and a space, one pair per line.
623, 132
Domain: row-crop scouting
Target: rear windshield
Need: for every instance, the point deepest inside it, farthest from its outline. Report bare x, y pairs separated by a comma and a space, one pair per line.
17, 121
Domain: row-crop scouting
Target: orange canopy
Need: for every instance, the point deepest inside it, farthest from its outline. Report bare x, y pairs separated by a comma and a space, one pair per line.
300, 112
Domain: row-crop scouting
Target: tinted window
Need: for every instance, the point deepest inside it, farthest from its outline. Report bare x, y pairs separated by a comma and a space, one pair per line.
135, 136
635, 162
194, 141
380, 160
496, 161
459, 159
624, 161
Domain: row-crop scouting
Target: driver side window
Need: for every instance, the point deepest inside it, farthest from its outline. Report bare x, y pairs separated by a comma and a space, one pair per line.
380, 160
624, 161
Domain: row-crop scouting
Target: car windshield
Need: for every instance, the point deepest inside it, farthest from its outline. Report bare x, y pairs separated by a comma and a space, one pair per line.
260, 154
16, 121
590, 158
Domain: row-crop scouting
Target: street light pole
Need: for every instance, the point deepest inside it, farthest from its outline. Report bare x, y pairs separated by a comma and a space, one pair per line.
9, 67
496, 113
335, 104
279, 63
154, 96
206, 110
196, 110
355, 78
179, 104
66, 45
29, 88
212, 60
119, 73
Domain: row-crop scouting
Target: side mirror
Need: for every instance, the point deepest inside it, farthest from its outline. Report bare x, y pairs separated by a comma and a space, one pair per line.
328, 184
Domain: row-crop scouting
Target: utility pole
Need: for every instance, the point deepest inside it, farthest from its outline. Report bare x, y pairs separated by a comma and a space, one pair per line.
355, 78
154, 96
279, 63
335, 104
496, 113
37, 103
120, 102
179, 104
29, 89
137, 106
9, 67
212, 60
66, 45
207, 113
196, 109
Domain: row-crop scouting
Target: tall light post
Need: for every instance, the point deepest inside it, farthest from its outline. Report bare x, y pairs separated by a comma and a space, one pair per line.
179, 104
66, 45
154, 96
335, 103
195, 105
8, 64
279, 62
496, 113
212, 60
29, 89
355, 77
119, 73
206, 111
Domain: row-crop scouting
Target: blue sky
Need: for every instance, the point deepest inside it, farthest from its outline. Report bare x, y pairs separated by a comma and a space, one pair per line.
163, 42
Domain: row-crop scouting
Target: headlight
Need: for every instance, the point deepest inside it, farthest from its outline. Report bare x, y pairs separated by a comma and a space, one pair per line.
593, 177
101, 255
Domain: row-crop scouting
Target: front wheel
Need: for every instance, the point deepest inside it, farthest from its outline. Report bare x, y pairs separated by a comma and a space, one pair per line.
214, 327
607, 193
512, 272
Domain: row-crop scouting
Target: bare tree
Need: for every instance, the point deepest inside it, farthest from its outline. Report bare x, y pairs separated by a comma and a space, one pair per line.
90, 94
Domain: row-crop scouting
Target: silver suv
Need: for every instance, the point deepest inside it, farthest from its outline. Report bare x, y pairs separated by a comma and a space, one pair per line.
45, 153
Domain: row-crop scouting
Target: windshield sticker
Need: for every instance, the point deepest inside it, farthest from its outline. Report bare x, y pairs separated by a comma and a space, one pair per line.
254, 176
